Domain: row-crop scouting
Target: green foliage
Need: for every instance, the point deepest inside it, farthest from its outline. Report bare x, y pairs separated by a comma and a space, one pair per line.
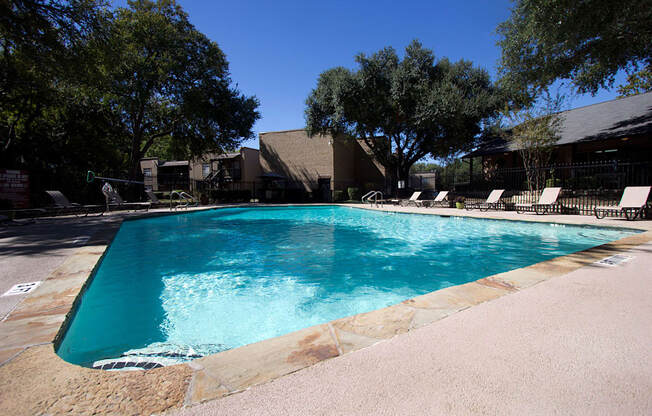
584, 41
339, 196
166, 79
534, 131
354, 194
83, 87
424, 167
404, 109
637, 83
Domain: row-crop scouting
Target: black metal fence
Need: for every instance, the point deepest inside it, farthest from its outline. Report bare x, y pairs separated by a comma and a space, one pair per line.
584, 185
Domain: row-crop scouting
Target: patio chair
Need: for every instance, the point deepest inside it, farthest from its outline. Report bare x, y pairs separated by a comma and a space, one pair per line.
547, 200
153, 199
492, 201
62, 204
632, 203
439, 199
113, 199
414, 199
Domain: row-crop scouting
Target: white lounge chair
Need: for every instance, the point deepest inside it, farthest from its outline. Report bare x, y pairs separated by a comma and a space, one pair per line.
492, 202
113, 199
632, 203
547, 200
439, 199
414, 199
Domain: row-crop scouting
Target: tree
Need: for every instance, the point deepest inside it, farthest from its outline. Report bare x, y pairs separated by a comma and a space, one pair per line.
40, 41
637, 83
166, 79
534, 131
404, 109
586, 41
49, 124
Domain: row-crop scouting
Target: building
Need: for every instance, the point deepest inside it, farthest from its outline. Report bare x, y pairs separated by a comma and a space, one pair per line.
620, 129
160, 175
293, 163
211, 171
235, 171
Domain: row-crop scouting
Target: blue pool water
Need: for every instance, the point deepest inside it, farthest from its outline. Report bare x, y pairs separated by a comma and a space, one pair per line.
203, 282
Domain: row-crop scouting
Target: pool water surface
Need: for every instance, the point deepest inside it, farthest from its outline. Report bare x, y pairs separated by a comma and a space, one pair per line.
184, 286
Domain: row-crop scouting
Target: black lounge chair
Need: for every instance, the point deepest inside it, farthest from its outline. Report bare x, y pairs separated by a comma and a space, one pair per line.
62, 204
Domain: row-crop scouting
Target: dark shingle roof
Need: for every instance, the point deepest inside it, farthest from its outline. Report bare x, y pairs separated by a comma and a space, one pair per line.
621, 117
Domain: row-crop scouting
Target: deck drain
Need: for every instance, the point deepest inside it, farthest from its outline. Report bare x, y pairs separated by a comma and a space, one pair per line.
22, 288
614, 260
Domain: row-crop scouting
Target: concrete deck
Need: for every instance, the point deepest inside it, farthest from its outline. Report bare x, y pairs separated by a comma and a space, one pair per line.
28, 332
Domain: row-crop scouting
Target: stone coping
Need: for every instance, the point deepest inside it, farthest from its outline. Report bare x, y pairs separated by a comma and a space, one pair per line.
34, 380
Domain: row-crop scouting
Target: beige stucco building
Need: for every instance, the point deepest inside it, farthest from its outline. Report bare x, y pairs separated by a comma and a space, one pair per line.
235, 171
318, 164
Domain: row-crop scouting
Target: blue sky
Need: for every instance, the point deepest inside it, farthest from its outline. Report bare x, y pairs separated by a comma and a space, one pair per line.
277, 49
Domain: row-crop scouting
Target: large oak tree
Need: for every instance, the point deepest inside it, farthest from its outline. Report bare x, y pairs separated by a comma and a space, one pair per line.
167, 79
84, 86
585, 41
404, 109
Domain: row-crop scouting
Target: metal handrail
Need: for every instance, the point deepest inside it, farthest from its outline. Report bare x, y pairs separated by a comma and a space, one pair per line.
367, 195
372, 194
188, 199
382, 198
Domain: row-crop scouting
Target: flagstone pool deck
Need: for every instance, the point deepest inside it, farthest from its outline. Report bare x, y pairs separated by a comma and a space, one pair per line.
561, 336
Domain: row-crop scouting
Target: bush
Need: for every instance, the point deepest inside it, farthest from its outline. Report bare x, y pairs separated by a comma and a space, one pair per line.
354, 193
552, 182
338, 196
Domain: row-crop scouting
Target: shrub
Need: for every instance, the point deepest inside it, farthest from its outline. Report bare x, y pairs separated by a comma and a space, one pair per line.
552, 182
354, 193
338, 196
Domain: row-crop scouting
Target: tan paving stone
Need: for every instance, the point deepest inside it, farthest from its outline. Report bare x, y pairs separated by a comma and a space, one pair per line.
427, 316
77, 265
256, 363
204, 387
52, 297
39, 382
381, 324
7, 354
458, 297
29, 331
349, 341
520, 278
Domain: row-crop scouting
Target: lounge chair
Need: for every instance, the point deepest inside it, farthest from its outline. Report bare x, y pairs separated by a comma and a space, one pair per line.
492, 201
113, 199
414, 199
61, 204
439, 199
547, 200
632, 203
153, 199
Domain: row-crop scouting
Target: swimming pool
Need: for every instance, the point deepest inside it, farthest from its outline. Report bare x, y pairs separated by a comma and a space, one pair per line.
183, 286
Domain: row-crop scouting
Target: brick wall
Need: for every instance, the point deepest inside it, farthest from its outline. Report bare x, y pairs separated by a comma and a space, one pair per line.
14, 186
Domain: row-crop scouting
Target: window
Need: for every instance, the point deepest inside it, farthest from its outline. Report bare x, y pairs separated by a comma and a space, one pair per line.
147, 172
206, 169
